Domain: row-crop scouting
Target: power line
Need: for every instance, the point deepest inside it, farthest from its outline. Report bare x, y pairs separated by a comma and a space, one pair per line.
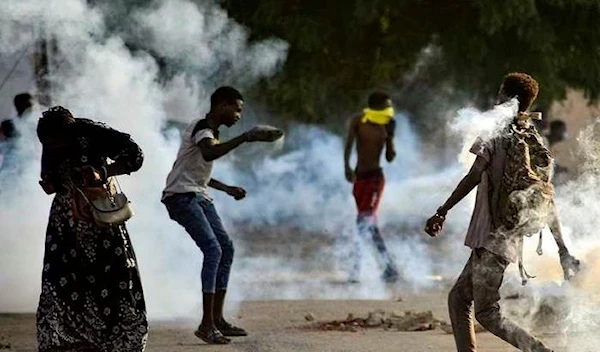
12, 70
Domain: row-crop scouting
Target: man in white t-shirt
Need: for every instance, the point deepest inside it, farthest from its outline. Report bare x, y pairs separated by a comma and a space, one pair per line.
188, 203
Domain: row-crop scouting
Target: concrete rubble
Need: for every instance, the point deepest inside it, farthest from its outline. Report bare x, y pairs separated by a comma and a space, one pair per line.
4, 344
389, 321
309, 317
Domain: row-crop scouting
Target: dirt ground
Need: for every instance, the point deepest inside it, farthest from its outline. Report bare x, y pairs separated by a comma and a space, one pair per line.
275, 303
280, 326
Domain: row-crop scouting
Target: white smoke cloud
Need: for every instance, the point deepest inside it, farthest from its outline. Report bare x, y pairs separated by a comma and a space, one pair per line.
471, 123
301, 191
201, 40
99, 78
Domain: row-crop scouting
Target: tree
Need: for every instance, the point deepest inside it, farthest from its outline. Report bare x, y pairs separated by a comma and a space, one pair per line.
424, 50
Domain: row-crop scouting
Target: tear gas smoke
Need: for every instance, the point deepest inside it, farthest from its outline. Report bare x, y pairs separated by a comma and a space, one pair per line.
550, 305
98, 77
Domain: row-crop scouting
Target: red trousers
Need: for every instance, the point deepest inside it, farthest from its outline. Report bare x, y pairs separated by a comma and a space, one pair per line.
368, 189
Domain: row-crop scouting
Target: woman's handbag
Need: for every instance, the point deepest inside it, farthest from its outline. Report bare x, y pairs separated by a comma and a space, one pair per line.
108, 205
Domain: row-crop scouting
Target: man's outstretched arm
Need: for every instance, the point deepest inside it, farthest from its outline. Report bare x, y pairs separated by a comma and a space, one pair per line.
212, 150
465, 186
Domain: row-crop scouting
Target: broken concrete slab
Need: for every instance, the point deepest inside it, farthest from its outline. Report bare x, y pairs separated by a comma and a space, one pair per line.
396, 321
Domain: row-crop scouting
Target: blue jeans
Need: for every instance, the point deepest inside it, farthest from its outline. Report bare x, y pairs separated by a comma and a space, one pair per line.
198, 216
367, 226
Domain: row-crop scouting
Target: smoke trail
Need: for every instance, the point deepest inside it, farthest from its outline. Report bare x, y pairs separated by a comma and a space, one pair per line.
470, 124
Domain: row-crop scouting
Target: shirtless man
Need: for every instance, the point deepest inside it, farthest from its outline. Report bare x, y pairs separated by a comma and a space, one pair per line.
373, 131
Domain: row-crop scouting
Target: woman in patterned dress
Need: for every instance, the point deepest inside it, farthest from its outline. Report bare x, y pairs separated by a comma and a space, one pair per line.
92, 298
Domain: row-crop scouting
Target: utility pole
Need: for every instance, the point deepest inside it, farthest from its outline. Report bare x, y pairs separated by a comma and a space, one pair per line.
45, 49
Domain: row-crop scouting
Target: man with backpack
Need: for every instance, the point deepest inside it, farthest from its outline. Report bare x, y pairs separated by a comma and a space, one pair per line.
515, 197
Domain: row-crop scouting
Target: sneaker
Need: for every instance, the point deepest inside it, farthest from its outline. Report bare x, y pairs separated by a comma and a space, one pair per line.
390, 275
230, 330
353, 280
213, 337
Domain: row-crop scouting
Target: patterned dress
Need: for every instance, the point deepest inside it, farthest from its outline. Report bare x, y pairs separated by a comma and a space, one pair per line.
92, 298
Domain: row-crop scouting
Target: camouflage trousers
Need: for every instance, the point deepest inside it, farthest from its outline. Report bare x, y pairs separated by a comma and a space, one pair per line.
478, 287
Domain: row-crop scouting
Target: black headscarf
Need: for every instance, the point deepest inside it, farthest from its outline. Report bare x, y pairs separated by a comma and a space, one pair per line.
53, 123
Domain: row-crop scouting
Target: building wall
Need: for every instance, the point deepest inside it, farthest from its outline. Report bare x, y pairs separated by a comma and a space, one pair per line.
577, 114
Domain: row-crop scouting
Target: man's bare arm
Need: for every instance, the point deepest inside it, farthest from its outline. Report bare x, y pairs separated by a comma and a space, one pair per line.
236, 192
350, 137
390, 146
570, 265
218, 185
390, 149
465, 186
212, 150
556, 229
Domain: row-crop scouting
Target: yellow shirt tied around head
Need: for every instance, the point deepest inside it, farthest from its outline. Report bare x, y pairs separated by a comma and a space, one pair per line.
378, 117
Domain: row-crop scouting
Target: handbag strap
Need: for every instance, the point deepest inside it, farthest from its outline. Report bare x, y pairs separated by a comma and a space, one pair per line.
106, 185
106, 188
119, 189
82, 193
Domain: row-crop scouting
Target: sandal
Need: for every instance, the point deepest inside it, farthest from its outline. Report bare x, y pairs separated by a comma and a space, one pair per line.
230, 330
213, 337
390, 275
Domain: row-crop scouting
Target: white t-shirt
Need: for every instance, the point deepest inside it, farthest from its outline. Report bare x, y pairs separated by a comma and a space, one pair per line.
190, 172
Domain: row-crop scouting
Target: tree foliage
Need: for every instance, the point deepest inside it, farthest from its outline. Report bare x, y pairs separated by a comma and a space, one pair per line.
423, 50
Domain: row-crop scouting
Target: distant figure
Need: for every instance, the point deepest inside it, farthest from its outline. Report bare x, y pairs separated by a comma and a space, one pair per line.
188, 202
91, 297
557, 133
7, 127
373, 131
9, 132
23, 103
